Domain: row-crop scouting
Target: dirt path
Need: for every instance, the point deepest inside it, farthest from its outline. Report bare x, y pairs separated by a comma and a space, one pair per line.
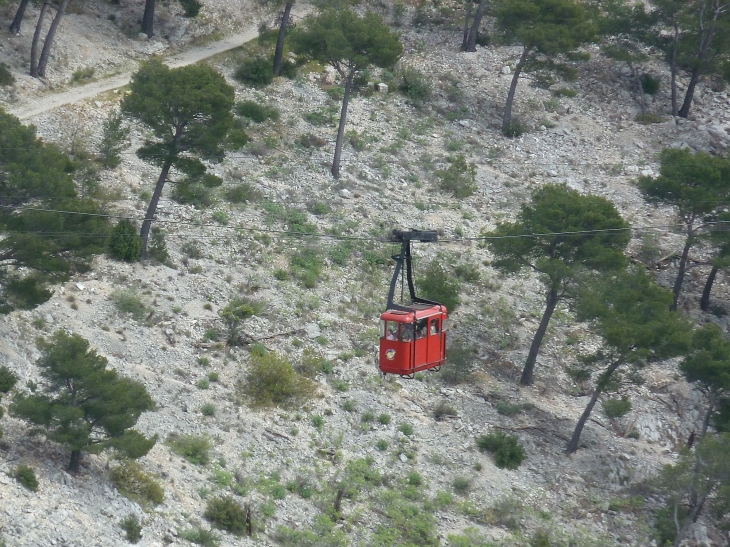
77, 94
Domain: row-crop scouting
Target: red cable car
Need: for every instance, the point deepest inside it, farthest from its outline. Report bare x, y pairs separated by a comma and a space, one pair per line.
413, 337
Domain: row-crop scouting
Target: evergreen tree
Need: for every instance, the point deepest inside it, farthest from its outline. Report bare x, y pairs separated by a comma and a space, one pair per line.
700, 479
113, 139
349, 43
719, 235
7, 381
38, 245
695, 184
563, 236
188, 110
84, 405
708, 368
630, 312
543, 28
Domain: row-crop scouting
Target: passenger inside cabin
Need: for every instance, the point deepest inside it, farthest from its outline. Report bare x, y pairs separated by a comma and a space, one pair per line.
434, 327
421, 329
392, 331
406, 332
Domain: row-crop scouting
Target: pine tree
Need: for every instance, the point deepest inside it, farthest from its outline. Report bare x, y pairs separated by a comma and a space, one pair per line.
579, 234
188, 110
84, 405
349, 43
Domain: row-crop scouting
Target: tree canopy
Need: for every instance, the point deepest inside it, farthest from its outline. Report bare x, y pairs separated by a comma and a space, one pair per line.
188, 110
83, 404
349, 43
576, 234
693, 183
37, 244
541, 27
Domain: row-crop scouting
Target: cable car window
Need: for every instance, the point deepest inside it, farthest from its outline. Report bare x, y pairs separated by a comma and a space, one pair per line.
434, 327
421, 328
406, 332
391, 332
382, 328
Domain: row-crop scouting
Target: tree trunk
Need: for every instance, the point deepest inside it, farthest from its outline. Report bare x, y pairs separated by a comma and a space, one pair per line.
73, 465
642, 99
684, 111
341, 130
673, 68
507, 120
148, 19
692, 517
282, 34
705, 300
152, 209
708, 414
552, 300
682, 267
600, 386
36, 38
46, 51
467, 17
15, 25
474, 32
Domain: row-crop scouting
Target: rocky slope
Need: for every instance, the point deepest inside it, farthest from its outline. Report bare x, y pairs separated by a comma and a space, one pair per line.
589, 142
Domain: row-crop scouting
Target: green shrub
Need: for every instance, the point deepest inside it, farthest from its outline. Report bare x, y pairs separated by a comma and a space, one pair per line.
459, 179
461, 485
646, 119
306, 265
508, 453
243, 192
514, 129
157, 248
323, 534
200, 536
194, 448
227, 514
255, 71
509, 409
203, 383
193, 193
82, 74
616, 408
134, 483
272, 381
322, 116
6, 78
132, 528
414, 85
414, 478
443, 409
309, 140
468, 273
564, 92
436, 284
407, 523
235, 313
25, 475
461, 361
318, 423
191, 249
8, 379
384, 419
124, 241
406, 429
650, 84
131, 303
113, 140
208, 409
507, 512
256, 112
381, 444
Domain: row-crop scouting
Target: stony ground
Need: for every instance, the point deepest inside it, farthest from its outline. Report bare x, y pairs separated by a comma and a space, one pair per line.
589, 142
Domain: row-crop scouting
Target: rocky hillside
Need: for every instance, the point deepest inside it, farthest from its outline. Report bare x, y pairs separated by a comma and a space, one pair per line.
160, 323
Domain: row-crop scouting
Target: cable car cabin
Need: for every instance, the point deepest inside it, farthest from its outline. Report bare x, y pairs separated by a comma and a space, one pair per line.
411, 341
412, 336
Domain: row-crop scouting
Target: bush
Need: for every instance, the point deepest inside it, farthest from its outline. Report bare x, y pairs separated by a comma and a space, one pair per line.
306, 265
194, 448
616, 408
650, 84
124, 241
256, 112
435, 284
646, 119
157, 248
461, 359
7, 379
308, 140
508, 453
444, 409
199, 536
6, 78
227, 514
208, 409
461, 485
134, 483
406, 429
256, 72
235, 312
514, 129
459, 179
131, 303
564, 92
272, 381
132, 528
113, 140
25, 475
243, 192
193, 193
414, 85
